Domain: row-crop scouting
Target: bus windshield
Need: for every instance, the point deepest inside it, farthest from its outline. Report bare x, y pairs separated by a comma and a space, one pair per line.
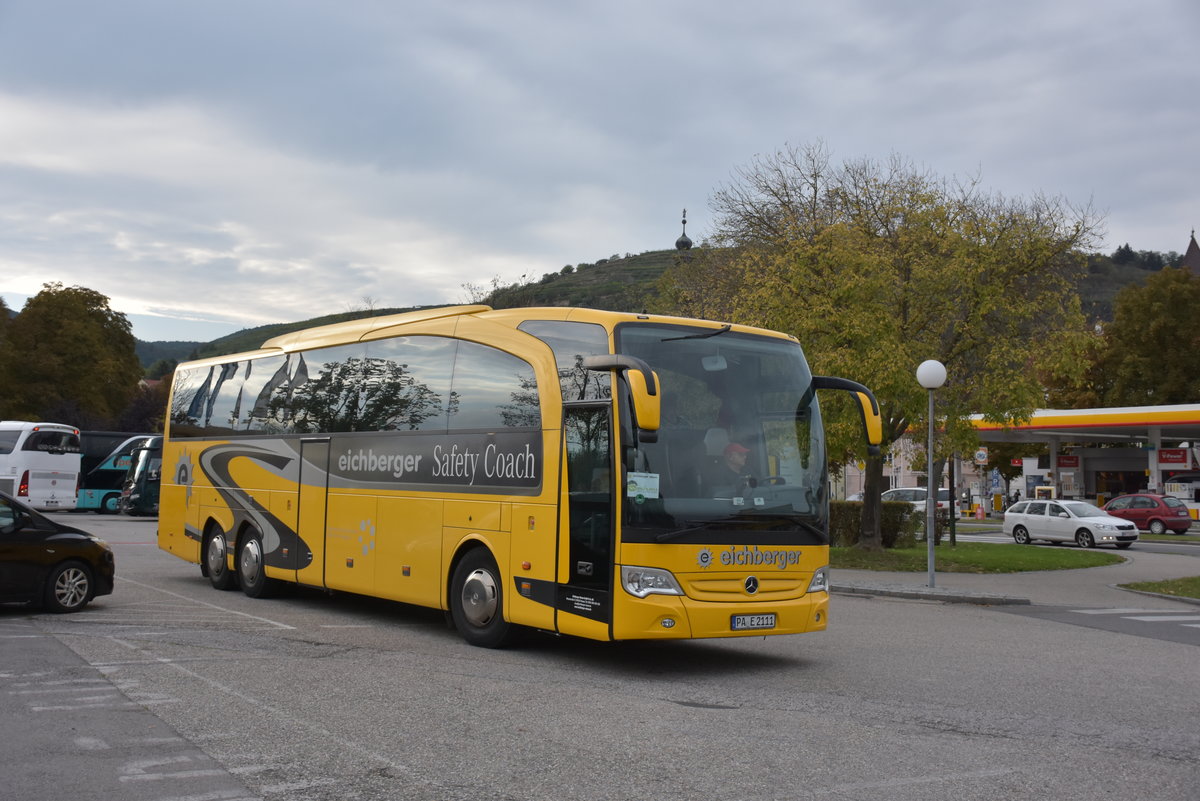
740, 455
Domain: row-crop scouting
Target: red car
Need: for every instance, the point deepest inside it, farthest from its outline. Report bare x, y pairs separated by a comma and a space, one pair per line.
1154, 513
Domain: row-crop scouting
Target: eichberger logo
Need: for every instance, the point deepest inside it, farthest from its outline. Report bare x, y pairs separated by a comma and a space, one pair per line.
747, 556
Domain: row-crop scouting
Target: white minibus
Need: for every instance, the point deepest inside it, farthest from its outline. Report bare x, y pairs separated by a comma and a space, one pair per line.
39, 463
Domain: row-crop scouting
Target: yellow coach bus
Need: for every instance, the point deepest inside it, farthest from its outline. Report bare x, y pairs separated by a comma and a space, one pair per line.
604, 475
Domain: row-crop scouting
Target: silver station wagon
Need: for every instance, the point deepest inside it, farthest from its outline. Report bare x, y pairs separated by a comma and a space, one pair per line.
1067, 521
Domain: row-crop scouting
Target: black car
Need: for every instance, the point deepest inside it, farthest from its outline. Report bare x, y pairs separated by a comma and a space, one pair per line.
46, 563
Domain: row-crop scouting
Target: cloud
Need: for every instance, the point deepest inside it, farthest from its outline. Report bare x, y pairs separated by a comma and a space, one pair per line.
272, 161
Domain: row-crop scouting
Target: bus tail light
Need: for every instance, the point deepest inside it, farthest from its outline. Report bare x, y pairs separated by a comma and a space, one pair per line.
23, 487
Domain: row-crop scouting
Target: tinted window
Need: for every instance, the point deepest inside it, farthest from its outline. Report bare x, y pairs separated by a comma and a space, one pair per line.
417, 385
1019, 508
492, 389
46, 441
570, 342
1142, 502
1174, 503
8, 440
1118, 504
397, 384
1036, 508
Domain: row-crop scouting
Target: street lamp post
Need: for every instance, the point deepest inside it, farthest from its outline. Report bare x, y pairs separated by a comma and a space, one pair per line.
931, 374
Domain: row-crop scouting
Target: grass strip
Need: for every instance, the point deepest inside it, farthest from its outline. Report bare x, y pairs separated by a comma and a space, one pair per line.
972, 557
1180, 588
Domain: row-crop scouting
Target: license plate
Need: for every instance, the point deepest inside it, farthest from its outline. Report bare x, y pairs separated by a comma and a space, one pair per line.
746, 622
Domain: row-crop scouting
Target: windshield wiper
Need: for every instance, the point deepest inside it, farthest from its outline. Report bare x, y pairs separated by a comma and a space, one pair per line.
667, 536
722, 330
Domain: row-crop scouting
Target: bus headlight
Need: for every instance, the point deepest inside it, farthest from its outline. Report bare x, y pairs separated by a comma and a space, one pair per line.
643, 581
820, 580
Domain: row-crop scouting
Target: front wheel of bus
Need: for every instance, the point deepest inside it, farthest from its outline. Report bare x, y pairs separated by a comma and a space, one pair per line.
216, 561
251, 567
477, 601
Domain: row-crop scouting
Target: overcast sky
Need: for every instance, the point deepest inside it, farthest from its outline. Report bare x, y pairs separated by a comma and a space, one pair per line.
220, 165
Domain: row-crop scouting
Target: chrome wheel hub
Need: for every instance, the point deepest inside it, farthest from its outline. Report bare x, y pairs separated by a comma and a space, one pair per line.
479, 598
251, 562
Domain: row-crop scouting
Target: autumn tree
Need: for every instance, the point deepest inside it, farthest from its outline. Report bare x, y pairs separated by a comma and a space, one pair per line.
69, 358
1150, 353
876, 267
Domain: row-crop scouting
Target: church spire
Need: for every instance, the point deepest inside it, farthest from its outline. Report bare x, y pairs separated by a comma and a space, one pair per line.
683, 243
1191, 259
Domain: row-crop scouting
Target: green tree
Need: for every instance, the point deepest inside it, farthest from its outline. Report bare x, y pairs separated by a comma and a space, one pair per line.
161, 369
876, 267
1150, 353
146, 409
1124, 254
69, 358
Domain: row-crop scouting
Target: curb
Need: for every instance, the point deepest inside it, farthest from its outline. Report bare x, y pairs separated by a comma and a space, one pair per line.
1164, 596
929, 594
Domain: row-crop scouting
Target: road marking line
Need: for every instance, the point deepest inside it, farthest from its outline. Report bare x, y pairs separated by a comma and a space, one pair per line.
1116, 611
275, 623
1161, 618
76, 707
182, 774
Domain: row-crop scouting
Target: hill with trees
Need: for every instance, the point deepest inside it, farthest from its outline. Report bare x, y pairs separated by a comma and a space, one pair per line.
630, 282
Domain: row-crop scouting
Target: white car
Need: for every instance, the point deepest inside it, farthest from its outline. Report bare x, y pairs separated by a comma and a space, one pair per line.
1067, 521
917, 496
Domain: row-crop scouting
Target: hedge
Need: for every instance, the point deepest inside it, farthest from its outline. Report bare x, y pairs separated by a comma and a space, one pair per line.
899, 525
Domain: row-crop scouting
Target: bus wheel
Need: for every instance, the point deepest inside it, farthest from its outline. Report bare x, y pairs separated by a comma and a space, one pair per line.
477, 601
251, 567
216, 561
111, 504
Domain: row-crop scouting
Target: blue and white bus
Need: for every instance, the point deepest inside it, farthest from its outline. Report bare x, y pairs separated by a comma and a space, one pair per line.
107, 456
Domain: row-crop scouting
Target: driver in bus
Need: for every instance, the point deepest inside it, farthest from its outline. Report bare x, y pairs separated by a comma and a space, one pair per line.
731, 471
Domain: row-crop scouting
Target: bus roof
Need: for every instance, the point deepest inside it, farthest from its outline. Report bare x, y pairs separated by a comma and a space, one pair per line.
356, 330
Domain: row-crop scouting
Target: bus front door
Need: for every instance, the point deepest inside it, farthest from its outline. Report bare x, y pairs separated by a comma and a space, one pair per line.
310, 519
584, 600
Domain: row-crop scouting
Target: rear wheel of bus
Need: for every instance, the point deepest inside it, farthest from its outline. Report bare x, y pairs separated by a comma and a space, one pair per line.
216, 560
252, 567
477, 601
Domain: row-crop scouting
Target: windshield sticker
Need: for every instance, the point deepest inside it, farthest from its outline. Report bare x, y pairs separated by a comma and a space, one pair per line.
641, 486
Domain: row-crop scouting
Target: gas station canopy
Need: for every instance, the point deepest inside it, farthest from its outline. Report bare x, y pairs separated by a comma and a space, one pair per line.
1126, 425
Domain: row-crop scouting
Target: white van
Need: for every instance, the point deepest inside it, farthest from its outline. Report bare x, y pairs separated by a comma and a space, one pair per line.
40, 463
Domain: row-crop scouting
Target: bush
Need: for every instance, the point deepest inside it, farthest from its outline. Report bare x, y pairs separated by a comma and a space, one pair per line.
898, 526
